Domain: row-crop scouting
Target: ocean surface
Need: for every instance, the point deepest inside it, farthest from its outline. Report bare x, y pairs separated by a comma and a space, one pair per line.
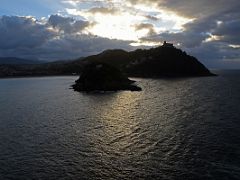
186, 128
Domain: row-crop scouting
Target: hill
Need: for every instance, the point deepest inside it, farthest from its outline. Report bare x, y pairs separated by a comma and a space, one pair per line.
15, 60
155, 62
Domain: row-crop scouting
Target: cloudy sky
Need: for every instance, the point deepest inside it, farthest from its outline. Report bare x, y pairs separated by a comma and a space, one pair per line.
66, 29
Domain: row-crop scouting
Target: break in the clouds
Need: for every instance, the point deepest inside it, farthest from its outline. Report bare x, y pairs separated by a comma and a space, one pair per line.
207, 29
54, 38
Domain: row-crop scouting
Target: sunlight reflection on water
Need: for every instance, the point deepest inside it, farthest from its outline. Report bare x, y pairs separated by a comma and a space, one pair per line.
178, 128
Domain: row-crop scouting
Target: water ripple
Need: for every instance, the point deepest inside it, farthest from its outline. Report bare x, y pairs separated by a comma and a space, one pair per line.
173, 129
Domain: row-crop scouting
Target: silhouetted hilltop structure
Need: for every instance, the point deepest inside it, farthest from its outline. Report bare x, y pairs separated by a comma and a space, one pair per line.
169, 45
103, 77
165, 60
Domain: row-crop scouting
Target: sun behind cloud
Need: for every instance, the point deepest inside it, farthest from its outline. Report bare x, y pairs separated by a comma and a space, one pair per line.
66, 29
128, 22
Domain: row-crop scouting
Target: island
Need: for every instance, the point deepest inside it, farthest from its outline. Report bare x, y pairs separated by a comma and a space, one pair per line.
103, 77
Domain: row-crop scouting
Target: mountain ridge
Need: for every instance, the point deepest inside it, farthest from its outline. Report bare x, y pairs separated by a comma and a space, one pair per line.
155, 62
17, 61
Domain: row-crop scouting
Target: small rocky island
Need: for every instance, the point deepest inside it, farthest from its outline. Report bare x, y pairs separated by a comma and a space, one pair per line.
103, 77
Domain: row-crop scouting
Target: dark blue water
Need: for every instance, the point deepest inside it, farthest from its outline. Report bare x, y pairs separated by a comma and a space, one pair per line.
173, 129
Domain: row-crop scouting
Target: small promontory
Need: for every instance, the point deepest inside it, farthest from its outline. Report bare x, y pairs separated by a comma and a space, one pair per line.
103, 77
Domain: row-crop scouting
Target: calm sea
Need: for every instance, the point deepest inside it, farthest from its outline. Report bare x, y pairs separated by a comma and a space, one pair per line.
174, 129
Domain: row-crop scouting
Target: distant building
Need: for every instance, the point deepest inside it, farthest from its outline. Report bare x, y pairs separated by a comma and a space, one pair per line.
165, 44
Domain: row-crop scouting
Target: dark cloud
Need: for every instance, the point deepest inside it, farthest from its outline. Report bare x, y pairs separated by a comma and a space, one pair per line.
67, 24
192, 8
149, 27
229, 31
103, 10
24, 32
193, 35
203, 8
152, 18
216, 55
57, 38
78, 45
